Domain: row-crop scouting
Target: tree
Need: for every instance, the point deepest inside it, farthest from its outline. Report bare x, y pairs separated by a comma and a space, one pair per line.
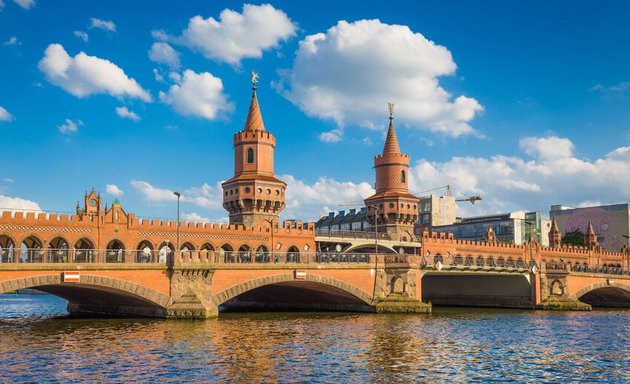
573, 238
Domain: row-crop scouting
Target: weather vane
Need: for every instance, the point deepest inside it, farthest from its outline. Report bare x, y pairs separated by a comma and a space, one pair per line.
390, 106
254, 78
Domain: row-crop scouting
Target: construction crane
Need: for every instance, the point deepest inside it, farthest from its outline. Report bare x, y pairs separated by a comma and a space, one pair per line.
471, 199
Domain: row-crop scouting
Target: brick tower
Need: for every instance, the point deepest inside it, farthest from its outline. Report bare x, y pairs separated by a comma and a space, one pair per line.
396, 208
254, 196
555, 238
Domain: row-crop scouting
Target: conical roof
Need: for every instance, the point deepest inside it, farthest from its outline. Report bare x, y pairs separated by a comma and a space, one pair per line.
254, 120
391, 142
590, 230
554, 225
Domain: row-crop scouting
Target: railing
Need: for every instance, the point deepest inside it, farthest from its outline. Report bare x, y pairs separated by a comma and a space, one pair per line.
351, 234
39, 256
470, 261
609, 269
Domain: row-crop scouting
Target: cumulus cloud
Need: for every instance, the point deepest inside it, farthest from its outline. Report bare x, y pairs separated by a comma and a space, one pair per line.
198, 94
70, 126
310, 201
205, 196
349, 73
510, 183
82, 35
163, 53
125, 113
8, 203
26, 4
5, 115
236, 36
84, 75
102, 24
194, 216
332, 136
113, 190
12, 41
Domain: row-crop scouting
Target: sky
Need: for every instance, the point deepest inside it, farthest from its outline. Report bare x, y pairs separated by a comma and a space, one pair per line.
524, 103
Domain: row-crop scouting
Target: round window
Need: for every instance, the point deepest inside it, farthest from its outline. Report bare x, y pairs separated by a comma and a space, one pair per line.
248, 189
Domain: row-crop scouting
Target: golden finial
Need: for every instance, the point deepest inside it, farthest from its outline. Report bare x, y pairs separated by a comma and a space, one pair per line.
254, 78
390, 106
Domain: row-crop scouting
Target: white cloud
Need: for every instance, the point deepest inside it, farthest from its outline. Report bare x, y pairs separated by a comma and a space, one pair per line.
205, 196
510, 183
377, 63
165, 54
5, 115
82, 35
70, 126
7, 180
17, 204
1, 5
102, 24
158, 76
332, 136
617, 88
85, 75
309, 201
194, 216
113, 190
127, 114
236, 36
198, 94
26, 4
547, 147
12, 41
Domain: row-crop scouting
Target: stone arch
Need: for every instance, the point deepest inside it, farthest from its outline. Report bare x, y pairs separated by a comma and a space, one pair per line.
7, 248
556, 288
58, 249
245, 286
262, 254
144, 252
207, 247
109, 283
226, 252
397, 285
31, 249
602, 284
115, 251
293, 254
84, 250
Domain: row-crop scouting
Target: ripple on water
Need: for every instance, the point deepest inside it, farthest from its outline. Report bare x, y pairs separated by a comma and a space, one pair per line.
459, 345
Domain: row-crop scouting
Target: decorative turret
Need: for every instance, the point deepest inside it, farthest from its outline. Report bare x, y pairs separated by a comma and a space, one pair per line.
254, 196
555, 238
491, 237
396, 208
590, 240
92, 203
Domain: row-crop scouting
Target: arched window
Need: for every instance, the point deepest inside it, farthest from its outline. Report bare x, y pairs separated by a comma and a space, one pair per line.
250, 155
402, 176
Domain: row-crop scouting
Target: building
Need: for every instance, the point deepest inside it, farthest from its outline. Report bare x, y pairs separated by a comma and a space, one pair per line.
435, 211
351, 220
513, 228
611, 223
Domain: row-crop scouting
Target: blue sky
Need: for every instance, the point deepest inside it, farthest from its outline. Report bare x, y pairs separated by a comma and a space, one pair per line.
523, 103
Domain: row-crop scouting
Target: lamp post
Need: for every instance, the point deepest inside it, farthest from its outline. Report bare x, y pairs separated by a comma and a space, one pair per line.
271, 230
177, 238
375, 249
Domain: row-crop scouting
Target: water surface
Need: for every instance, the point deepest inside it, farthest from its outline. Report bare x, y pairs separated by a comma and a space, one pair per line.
40, 344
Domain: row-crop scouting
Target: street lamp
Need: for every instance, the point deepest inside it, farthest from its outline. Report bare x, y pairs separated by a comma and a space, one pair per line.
271, 230
375, 228
177, 239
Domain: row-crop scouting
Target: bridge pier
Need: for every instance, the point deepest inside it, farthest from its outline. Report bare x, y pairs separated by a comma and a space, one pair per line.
398, 287
554, 291
190, 293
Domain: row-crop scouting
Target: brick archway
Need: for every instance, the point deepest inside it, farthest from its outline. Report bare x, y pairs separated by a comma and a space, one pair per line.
91, 281
602, 284
245, 286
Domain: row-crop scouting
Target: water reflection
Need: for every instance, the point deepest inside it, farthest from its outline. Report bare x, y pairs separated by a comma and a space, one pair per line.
452, 344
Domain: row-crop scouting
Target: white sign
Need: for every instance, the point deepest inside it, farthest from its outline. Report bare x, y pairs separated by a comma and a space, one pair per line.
301, 275
71, 277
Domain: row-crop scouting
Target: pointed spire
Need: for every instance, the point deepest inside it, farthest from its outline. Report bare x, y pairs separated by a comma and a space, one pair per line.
554, 226
391, 142
590, 231
254, 120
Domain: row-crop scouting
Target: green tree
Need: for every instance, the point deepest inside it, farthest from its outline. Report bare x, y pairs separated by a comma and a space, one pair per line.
573, 238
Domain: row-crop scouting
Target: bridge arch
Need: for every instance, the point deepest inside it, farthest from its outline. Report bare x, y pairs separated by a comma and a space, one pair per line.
605, 294
370, 247
97, 294
363, 300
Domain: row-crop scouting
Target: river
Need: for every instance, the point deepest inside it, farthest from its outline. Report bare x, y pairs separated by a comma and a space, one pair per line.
40, 343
